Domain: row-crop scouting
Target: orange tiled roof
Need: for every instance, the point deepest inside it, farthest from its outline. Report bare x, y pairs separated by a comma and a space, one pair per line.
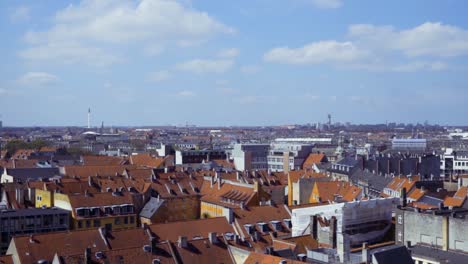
203, 251
6, 259
328, 190
458, 198
100, 199
23, 153
255, 258
89, 160
191, 229
312, 159
86, 171
398, 183
416, 194
147, 160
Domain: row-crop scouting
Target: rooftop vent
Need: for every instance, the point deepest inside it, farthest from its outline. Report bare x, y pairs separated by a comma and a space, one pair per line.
147, 248
99, 255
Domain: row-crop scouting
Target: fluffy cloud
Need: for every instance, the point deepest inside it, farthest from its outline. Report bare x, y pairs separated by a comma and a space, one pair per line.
382, 48
229, 53
327, 3
317, 52
185, 93
200, 66
37, 78
428, 39
93, 23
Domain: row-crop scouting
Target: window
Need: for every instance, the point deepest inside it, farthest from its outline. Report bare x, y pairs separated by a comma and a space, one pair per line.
88, 223
126, 220
132, 220
400, 219
400, 236
97, 223
80, 224
117, 221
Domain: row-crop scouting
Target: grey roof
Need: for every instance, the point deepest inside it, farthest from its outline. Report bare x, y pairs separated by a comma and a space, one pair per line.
151, 207
392, 255
32, 212
23, 174
348, 161
374, 181
439, 255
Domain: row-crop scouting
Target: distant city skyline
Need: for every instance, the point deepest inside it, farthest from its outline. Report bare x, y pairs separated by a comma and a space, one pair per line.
239, 63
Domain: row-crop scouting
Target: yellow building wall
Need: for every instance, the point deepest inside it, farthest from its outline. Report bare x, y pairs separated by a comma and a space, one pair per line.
209, 210
315, 195
43, 198
290, 191
103, 221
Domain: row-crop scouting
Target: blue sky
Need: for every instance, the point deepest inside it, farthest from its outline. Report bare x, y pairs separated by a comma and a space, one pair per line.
255, 62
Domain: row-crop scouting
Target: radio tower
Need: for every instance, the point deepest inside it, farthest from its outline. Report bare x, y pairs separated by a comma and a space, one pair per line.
89, 118
329, 120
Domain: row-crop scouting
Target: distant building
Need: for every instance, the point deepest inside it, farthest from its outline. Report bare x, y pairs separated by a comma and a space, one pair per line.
442, 229
453, 162
409, 143
344, 225
197, 156
288, 156
22, 175
31, 221
250, 156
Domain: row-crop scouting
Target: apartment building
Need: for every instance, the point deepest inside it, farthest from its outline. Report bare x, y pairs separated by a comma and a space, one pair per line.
31, 221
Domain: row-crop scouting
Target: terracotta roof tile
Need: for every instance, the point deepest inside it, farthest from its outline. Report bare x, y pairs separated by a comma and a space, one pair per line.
147, 160
255, 258
191, 229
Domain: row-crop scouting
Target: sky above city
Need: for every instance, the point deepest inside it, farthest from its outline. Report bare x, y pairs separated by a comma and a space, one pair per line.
252, 62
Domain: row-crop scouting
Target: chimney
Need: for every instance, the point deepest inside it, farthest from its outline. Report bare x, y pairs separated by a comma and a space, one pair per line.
403, 197
212, 181
219, 181
183, 243
257, 236
445, 233
314, 220
87, 255
242, 205
365, 254
90, 181
237, 175
213, 237
332, 235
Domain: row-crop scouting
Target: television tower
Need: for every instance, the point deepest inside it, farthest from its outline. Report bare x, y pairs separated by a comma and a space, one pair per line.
329, 120
89, 118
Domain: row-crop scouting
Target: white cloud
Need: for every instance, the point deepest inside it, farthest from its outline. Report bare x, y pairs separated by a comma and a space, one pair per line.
428, 39
91, 24
229, 53
426, 47
159, 76
327, 3
37, 78
200, 66
185, 93
20, 14
69, 53
250, 69
317, 52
